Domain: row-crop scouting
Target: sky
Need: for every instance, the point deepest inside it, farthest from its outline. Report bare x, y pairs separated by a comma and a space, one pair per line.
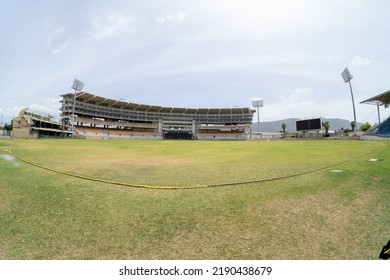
197, 54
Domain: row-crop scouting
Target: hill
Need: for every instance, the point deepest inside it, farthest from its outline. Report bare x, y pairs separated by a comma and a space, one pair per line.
275, 126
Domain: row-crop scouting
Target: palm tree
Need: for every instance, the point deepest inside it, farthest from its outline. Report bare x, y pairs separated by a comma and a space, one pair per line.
8, 128
284, 129
326, 126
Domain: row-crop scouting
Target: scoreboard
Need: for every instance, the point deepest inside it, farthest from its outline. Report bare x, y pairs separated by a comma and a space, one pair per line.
312, 124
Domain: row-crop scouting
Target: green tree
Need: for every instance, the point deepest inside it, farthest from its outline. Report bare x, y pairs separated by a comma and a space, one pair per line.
326, 126
353, 125
364, 127
284, 129
8, 128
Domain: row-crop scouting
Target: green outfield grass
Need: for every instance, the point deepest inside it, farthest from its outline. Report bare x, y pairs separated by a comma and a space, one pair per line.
319, 215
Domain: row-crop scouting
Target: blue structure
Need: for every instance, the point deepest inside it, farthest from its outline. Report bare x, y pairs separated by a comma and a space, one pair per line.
383, 128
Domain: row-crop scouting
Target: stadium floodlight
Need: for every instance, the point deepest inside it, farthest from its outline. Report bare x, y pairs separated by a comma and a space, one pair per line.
77, 86
347, 79
257, 103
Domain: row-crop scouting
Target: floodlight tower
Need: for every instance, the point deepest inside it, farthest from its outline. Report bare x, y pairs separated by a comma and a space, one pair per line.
77, 86
347, 79
257, 103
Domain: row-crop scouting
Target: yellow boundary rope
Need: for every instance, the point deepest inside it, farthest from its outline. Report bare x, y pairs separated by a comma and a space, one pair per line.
9, 150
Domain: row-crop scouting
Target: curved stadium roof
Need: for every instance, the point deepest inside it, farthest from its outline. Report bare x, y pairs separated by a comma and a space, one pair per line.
381, 99
120, 104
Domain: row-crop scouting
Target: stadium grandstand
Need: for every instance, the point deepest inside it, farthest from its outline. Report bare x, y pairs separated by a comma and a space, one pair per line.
92, 116
31, 125
382, 129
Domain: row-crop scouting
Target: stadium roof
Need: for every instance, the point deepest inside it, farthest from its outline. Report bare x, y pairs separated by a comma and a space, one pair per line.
383, 98
120, 104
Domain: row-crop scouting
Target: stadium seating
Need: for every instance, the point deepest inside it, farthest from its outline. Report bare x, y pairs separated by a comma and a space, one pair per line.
100, 117
382, 129
114, 133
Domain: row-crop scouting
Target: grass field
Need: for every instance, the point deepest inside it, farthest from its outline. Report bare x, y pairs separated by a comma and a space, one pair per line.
318, 215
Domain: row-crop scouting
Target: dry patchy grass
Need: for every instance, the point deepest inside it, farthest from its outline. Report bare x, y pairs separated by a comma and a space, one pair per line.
320, 215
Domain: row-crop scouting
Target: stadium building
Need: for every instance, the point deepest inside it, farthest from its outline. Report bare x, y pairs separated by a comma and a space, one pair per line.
92, 116
31, 125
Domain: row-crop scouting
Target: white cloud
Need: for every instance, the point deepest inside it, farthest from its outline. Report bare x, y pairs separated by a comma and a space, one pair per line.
57, 41
302, 103
54, 35
299, 95
47, 106
62, 47
360, 61
307, 109
114, 25
8, 113
178, 17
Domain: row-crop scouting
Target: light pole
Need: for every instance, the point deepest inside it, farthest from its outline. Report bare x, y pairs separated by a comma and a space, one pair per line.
257, 103
77, 86
379, 114
347, 79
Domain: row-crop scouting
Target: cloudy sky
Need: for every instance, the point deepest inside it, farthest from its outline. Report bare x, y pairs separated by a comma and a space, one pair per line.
197, 53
